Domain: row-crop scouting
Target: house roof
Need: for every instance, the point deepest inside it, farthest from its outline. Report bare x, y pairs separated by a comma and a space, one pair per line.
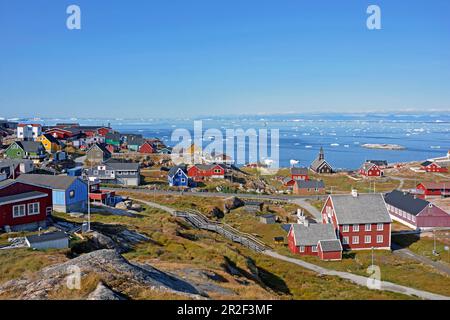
51, 138
436, 185
318, 163
379, 163
310, 184
6, 183
59, 235
30, 146
22, 196
131, 166
173, 171
426, 163
208, 166
312, 234
299, 171
406, 202
330, 245
13, 162
364, 208
100, 146
113, 136
367, 166
47, 181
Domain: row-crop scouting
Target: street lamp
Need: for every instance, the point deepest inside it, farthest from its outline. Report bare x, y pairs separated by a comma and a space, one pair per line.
434, 246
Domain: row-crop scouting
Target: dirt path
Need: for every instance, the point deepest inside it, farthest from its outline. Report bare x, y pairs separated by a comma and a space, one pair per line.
310, 208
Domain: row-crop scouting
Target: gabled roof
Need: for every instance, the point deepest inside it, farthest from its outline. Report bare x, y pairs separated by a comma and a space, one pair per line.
312, 234
364, 208
318, 164
406, 202
113, 136
47, 181
173, 171
380, 163
426, 163
330, 245
206, 167
299, 171
30, 146
100, 146
51, 138
368, 165
117, 165
310, 184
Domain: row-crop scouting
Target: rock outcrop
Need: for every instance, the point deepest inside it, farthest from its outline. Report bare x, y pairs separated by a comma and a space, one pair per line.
113, 269
232, 203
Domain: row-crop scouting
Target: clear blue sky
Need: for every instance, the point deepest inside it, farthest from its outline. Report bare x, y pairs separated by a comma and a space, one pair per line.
145, 58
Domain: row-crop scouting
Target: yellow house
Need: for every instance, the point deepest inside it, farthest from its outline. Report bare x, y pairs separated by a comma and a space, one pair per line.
50, 143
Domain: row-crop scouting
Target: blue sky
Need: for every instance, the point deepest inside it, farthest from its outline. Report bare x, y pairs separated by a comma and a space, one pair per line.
145, 58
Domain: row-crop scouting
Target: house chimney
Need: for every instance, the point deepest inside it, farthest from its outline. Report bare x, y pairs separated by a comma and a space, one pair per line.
354, 193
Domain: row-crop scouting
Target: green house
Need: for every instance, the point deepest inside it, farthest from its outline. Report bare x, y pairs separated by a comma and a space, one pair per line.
113, 138
26, 150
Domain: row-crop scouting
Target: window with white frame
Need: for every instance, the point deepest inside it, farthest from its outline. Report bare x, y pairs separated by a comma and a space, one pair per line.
380, 239
368, 227
345, 228
345, 240
302, 249
367, 239
355, 239
48, 211
356, 228
33, 208
19, 211
314, 248
380, 227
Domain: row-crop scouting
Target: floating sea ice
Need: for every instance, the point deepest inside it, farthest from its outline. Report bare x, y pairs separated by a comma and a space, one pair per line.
334, 144
435, 147
308, 147
346, 146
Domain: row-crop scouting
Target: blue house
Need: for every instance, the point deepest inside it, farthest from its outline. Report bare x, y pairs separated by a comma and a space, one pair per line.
178, 177
70, 194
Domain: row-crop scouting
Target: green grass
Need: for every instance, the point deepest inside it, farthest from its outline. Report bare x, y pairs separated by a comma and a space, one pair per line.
18, 262
424, 246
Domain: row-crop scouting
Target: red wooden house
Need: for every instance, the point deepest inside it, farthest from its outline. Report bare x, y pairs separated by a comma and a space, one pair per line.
434, 189
147, 147
296, 174
414, 212
361, 221
430, 166
369, 169
201, 172
59, 133
315, 239
24, 206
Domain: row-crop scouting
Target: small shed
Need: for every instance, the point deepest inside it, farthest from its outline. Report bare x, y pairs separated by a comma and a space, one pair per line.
330, 250
52, 240
267, 219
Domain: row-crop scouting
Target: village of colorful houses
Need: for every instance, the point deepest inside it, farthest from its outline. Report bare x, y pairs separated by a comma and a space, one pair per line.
67, 167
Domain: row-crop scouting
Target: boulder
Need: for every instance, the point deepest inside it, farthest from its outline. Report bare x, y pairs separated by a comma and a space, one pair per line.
121, 206
102, 292
136, 207
217, 213
232, 203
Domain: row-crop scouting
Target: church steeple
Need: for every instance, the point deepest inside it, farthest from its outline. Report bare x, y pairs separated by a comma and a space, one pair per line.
321, 154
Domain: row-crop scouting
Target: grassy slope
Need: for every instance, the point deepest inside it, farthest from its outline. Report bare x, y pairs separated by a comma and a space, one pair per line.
176, 246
